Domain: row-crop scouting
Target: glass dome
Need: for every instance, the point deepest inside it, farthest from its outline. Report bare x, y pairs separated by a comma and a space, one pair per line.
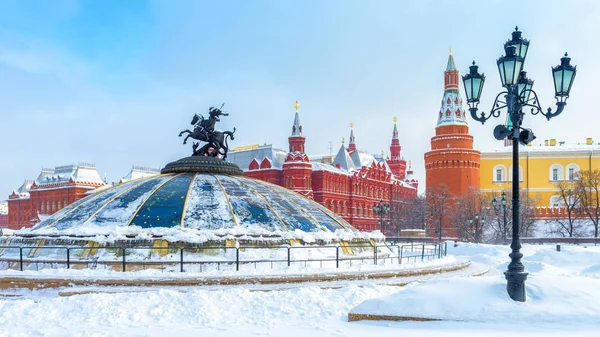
196, 201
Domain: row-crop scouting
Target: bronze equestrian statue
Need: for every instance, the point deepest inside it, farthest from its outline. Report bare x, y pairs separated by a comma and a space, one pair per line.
204, 130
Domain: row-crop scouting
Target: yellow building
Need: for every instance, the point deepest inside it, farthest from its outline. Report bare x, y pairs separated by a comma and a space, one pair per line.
541, 167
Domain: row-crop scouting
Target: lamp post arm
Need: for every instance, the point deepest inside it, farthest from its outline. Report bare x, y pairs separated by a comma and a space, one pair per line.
494, 112
537, 108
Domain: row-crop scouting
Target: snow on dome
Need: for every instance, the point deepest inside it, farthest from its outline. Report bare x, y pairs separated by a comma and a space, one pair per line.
208, 204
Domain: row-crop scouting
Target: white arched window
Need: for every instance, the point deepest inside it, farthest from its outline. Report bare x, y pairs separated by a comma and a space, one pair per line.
499, 174
510, 173
572, 172
556, 172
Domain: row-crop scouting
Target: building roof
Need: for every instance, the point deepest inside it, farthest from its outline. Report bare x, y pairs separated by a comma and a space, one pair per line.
244, 158
318, 166
297, 127
23, 190
395, 132
450, 66
138, 172
343, 160
80, 173
452, 111
543, 150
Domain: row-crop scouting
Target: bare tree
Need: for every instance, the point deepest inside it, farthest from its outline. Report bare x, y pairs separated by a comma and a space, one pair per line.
439, 202
470, 217
497, 229
588, 190
527, 220
409, 213
570, 200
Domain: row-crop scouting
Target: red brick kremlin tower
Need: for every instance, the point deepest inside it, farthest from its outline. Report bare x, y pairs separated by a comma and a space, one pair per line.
452, 160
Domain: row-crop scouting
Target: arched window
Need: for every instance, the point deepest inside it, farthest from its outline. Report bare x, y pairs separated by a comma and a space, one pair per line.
556, 172
499, 174
510, 173
572, 172
42, 208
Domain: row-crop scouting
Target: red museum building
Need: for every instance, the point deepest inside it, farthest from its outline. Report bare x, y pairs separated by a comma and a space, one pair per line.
349, 186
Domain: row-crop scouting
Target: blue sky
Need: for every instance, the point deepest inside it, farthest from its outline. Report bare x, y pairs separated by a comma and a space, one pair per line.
113, 82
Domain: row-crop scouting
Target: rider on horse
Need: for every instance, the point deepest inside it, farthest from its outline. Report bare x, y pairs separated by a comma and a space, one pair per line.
204, 130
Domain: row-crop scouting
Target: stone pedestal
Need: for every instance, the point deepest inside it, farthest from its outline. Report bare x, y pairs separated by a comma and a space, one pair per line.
201, 164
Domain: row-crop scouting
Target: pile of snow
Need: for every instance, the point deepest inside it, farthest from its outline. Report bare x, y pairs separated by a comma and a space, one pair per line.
561, 286
484, 299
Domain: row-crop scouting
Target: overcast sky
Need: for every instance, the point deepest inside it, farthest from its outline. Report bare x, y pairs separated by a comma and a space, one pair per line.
113, 82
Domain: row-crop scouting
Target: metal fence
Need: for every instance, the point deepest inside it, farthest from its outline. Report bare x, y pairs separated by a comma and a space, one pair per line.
574, 241
202, 259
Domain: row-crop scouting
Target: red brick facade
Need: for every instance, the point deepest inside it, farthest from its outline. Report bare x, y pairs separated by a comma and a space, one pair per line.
350, 187
52, 191
452, 160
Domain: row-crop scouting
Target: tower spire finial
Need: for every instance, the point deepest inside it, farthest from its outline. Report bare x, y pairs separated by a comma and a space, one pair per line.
351, 125
395, 119
297, 105
343, 140
450, 48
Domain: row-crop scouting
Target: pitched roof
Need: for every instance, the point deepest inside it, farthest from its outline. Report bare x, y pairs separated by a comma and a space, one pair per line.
297, 127
343, 160
244, 158
138, 172
450, 66
23, 190
80, 173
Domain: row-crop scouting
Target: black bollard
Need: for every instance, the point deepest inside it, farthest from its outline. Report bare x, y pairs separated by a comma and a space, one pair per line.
558, 248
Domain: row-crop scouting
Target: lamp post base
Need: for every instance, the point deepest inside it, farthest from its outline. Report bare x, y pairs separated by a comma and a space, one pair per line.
515, 285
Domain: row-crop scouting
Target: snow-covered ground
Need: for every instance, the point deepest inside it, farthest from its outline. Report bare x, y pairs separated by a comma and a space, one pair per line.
310, 310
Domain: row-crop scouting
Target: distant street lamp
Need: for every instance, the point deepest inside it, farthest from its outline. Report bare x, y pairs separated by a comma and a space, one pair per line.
517, 96
477, 228
503, 202
381, 208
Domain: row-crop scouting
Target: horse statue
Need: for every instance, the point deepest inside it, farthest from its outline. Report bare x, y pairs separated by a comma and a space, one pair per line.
204, 130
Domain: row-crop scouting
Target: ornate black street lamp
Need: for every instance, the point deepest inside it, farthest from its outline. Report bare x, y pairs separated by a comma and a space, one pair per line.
517, 96
381, 208
503, 203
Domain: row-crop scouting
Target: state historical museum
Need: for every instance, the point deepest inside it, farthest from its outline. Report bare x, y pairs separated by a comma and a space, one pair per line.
349, 186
